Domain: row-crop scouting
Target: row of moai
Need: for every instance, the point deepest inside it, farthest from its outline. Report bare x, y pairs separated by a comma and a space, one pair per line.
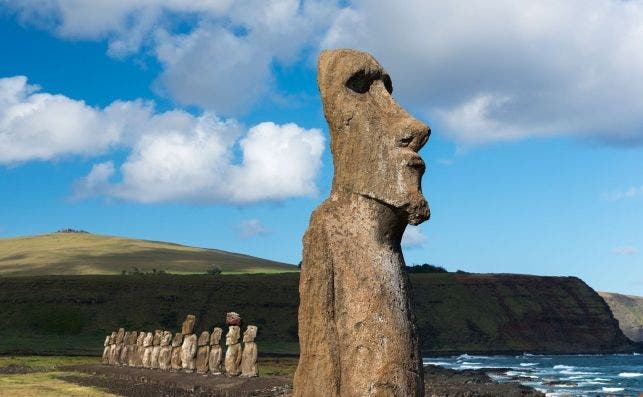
185, 351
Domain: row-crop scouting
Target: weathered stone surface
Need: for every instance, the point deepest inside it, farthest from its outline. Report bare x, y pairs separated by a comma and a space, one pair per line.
120, 335
188, 352
216, 353
131, 349
140, 350
107, 348
165, 353
249, 355
356, 330
147, 352
188, 325
233, 318
111, 360
203, 352
156, 348
233, 352
123, 359
177, 342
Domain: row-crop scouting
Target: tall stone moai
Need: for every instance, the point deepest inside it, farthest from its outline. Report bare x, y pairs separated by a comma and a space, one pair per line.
106, 349
131, 349
203, 352
120, 336
123, 360
156, 348
111, 360
165, 353
147, 350
175, 361
139, 349
356, 330
189, 346
216, 353
233, 352
249, 355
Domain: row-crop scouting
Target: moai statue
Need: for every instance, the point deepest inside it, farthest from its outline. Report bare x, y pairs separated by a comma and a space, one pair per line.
188, 352
188, 325
214, 361
156, 348
106, 349
356, 330
131, 349
233, 352
147, 353
111, 357
120, 335
249, 355
165, 354
202, 352
139, 349
175, 362
123, 360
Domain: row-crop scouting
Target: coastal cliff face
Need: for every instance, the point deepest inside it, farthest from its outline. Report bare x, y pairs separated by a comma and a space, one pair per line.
455, 313
502, 312
628, 310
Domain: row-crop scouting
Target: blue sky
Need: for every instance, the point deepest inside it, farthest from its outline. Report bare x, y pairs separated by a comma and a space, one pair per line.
200, 123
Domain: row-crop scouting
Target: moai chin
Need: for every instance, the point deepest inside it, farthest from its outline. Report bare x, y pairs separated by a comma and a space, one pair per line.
175, 361
233, 352
165, 353
214, 361
356, 330
202, 352
249, 355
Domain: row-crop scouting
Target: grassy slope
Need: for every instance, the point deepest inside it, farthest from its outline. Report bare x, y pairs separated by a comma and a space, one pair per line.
82, 253
455, 313
628, 310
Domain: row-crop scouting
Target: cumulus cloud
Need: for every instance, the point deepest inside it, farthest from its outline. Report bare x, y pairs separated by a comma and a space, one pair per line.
625, 250
250, 228
174, 155
616, 195
413, 237
501, 70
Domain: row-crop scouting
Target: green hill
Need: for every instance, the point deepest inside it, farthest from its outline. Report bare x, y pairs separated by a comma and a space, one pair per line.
628, 310
85, 254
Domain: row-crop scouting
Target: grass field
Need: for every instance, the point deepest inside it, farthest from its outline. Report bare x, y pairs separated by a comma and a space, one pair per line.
90, 254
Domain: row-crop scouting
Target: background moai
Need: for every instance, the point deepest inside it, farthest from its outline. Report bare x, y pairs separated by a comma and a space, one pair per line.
123, 358
147, 352
356, 330
106, 349
189, 346
131, 349
216, 353
140, 350
175, 361
249, 355
203, 352
233, 352
165, 352
112, 349
156, 348
120, 335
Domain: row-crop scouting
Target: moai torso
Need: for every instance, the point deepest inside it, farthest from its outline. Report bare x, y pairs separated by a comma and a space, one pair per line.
165, 353
216, 353
106, 349
147, 350
202, 352
249, 355
156, 348
177, 342
233, 352
188, 352
356, 330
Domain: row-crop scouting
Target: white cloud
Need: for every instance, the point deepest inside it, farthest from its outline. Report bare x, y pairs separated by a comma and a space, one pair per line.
616, 195
413, 237
174, 156
250, 228
505, 70
625, 250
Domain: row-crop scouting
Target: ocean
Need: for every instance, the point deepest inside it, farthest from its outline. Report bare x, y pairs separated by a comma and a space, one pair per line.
571, 375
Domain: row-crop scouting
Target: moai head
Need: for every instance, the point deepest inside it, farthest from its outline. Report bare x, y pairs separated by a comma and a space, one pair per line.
177, 340
232, 318
132, 337
232, 337
112, 338
126, 338
149, 338
215, 336
139, 339
204, 339
374, 141
188, 325
120, 335
250, 334
156, 341
166, 338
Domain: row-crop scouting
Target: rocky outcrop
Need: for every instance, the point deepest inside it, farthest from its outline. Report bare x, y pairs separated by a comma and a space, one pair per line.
628, 310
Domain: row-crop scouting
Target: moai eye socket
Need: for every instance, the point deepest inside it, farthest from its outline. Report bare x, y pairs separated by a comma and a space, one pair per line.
361, 81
